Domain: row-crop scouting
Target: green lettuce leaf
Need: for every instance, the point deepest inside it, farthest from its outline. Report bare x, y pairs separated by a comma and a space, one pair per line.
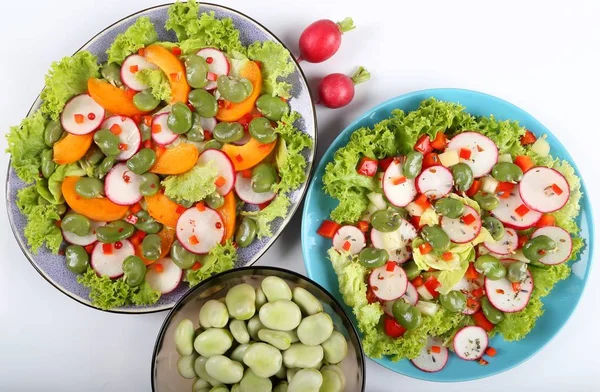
27, 198
157, 81
193, 185
220, 258
263, 218
276, 64
506, 134
290, 162
54, 183
466, 200
137, 36
67, 78
429, 217
41, 226
144, 295
25, 145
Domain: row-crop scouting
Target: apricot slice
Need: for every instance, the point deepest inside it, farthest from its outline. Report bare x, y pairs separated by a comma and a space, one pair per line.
235, 111
163, 209
100, 209
72, 148
173, 68
249, 155
228, 212
113, 99
175, 160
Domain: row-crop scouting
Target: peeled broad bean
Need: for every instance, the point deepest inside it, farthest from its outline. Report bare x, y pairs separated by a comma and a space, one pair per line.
307, 302
200, 369
240, 301
332, 381
264, 359
282, 315
281, 373
261, 299
254, 325
281, 387
213, 314
253, 383
224, 369
338, 370
184, 337
219, 388
335, 348
235, 388
238, 353
200, 385
306, 380
275, 289
239, 331
213, 341
280, 339
290, 373
314, 330
185, 365
300, 355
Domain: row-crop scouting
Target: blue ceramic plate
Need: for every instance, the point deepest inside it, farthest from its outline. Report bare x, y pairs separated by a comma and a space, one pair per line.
52, 267
559, 305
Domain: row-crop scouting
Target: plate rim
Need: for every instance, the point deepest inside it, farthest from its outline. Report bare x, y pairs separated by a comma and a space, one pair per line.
294, 208
585, 203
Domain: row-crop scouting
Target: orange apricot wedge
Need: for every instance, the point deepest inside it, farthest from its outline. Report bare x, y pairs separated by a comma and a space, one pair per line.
99, 209
176, 160
235, 111
163, 209
249, 155
173, 68
228, 212
167, 236
113, 99
72, 148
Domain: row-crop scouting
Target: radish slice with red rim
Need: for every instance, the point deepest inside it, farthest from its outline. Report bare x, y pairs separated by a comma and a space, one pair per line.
411, 296
505, 245
161, 134
81, 115
506, 212
402, 236
225, 171
400, 255
544, 190
478, 151
349, 238
83, 240
503, 297
165, 279
430, 360
243, 188
564, 244
398, 189
435, 182
217, 62
200, 230
107, 259
122, 186
244, 140
470, 343
388, 282
208, 123
130, 137
131, 66
464, 229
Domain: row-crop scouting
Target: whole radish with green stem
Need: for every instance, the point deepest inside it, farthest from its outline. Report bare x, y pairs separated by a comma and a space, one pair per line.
337, 90
322, 39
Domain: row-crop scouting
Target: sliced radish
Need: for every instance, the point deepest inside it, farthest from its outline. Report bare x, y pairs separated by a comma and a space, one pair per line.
505, 245
130, 137
467, 285
131, 66
81, 115
398, 189
464, 229
349, 238
217, 62
430, 360
473, 306
243, 188
564, 244
506, 212
388, 282
208, 123
122, 186
411, 296
470, 343
476, 150
225, 170
435, 182
200, 230
424, 293
396, 239
83, 240
244, 140
107, 259
165, 278
544, 189
503, 297
161, 134
400, 255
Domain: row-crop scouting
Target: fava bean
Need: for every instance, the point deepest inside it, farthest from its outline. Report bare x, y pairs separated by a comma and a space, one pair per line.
436, 237
386, 220
516, 272
112, 73
240, 301
264, 176
213, 144
200, 369
272, 107
254, 325
239, 331
184, 337
200, 386
52, 132
233, 89
463, 176
335, 348
105, 166
373, 257
238, 353
493, 315
145, 131
77, 259
47, 164
213, 314
228, 132
449, 207
94, 155
114, 231
332, 381
261, 299
196, 70
264, 359
145, 101
260, 128
219, 388
487, 201
455, 301
76, 224
537, 247
507, 172
108, 142
89, 188
282, 373
494, 226
151, 247
182, 258
204, 102
213, 341
215, 200
224, 369
306, 380
307, 302
276, 288
282, 315
290, 372
281, 387
142, 161
490, 266
338, 370
280, 339
300, 355
196, 133
412, 164
180, 118
149, 184
185, 365
60, 208
411, 269
315, 329
134, 270
253, 383
406, 315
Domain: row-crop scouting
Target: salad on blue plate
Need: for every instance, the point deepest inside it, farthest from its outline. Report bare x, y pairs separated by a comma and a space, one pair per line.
450, 229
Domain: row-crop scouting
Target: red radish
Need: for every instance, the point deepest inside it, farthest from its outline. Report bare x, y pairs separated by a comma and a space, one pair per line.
467, 285
337, 90
122, 186
225, 170
424, 293
81, 115
411, 296
349, 238
564, 244
435, 182
110, 263
394, 240
503, 296
200, 230
244, 140
463, 229
388, 282
322, 39
130, 137
161, 134
433, 357
83, 240
400, 255
218, 64
506, 212
505, 245
398, 189
131, 66
470, 343
243, 188
473, 305
544, 189
166, 278
208, 123
476, 150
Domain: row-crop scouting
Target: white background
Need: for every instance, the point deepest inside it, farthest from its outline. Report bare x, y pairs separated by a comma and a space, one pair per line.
543, 57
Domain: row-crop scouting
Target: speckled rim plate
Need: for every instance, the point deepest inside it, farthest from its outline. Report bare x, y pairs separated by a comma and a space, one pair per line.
558, 305
46, 264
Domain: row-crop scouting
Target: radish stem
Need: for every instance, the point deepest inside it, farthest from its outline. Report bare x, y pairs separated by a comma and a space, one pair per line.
346, 25
361, 75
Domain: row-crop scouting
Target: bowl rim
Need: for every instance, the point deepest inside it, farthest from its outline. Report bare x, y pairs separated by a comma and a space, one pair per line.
250, 269
294, 208
585, 204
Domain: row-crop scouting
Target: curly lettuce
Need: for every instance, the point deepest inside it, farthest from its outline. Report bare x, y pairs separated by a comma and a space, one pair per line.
140, 34
25, 145
290, 162
41, 228
193, 185
157, 82
263, 218
275, 64
220, 258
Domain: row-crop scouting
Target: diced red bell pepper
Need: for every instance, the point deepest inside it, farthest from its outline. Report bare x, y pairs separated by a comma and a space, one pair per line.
116, 129
418, 281
264, 205
193, 240
78, 118
546, 220
478, 292
528, 138
390, 266
473, 303
134, 68
328, 228
423, 201
90, 248
385, 162
107, 249
465, 153
468, 219
436, 349
430, 159
471, 272
503, 189
398, 180
475, 187
423, 145
200, 206
516, 286
425, 248
431, 284
220, 181
135, 208
521, 241
363, 226
524, 162
447, 256
522, 210
347, 245
392, 328
158, 267
156, 128
196, 266
483, 362
440, 141
482, 321
490, 352
558, 190
180, 209
207, 135
416, 221
176, 51
367, 167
